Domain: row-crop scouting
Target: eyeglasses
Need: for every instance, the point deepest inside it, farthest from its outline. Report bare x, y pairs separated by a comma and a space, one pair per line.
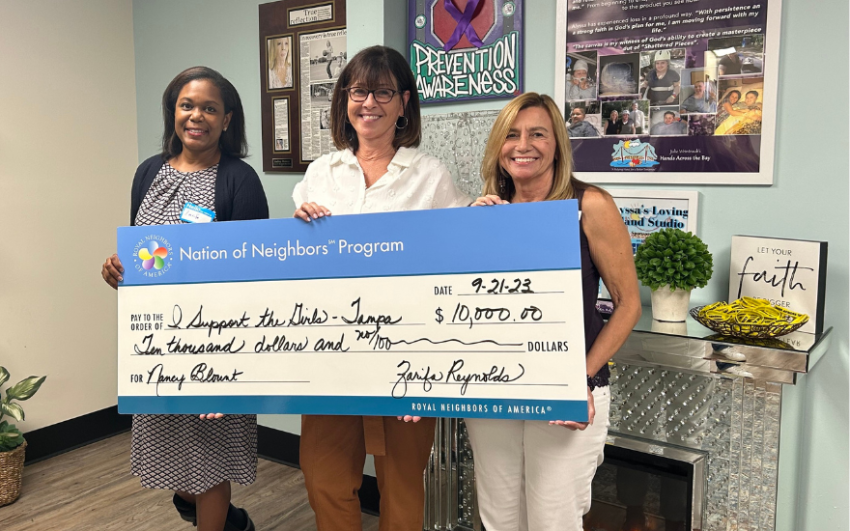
359, 94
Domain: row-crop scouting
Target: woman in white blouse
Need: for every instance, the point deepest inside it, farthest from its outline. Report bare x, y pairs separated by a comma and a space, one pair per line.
375, 125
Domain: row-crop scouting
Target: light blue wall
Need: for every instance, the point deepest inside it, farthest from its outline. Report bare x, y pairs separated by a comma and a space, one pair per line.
808, 199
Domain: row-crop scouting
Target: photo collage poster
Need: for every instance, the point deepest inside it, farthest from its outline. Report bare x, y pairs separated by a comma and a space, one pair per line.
303, 49
670, 92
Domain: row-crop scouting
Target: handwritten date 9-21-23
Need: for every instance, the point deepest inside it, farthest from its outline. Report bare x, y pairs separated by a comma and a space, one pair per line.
501, 285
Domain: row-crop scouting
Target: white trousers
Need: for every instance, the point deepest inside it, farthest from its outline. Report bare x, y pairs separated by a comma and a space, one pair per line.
532, 476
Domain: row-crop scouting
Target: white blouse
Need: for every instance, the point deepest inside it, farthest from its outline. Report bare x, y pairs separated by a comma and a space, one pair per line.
414, 181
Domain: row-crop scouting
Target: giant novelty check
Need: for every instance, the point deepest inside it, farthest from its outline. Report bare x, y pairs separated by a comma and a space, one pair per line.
466, 312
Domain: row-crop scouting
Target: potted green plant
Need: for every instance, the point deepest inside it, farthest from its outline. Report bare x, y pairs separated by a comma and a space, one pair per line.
12, 443
672, 263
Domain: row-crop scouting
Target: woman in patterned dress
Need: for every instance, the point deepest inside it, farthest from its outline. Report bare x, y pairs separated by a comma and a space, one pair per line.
203, 143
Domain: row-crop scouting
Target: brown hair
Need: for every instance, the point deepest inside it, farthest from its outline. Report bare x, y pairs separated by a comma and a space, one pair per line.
498, 182
371, 67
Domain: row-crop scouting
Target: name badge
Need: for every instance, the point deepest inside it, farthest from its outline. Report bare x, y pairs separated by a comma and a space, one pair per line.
193, 213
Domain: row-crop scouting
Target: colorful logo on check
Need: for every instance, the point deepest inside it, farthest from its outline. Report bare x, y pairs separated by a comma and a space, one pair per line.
153, 256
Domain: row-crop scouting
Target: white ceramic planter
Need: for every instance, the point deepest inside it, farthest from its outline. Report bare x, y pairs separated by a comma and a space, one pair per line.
675, 328
670, 306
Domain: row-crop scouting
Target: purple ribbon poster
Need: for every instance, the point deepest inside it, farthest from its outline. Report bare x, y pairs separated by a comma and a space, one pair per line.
466, 49
670, 91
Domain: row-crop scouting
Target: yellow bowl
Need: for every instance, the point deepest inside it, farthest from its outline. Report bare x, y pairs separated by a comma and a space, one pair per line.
748, 330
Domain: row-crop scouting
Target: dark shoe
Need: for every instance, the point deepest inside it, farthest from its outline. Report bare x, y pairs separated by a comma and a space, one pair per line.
249, 526
186, 510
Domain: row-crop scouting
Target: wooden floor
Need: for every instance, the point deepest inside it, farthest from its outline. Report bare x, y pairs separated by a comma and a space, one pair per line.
92, 489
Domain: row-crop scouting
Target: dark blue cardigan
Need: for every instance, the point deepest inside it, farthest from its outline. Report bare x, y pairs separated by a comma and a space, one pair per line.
238, 191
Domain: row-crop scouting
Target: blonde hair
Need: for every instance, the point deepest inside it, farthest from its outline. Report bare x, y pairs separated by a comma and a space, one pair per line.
498, 182
272, 54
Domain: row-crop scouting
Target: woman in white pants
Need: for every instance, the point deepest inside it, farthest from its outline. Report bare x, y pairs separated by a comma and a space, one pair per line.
536, 475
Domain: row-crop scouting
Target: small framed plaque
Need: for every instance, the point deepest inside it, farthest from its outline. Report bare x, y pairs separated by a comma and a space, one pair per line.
788, 273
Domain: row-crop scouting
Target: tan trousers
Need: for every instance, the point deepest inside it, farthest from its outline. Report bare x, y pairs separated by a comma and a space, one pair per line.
333, 451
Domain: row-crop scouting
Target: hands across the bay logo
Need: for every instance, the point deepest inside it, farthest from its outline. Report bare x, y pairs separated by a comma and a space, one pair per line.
633, 154
152, 256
